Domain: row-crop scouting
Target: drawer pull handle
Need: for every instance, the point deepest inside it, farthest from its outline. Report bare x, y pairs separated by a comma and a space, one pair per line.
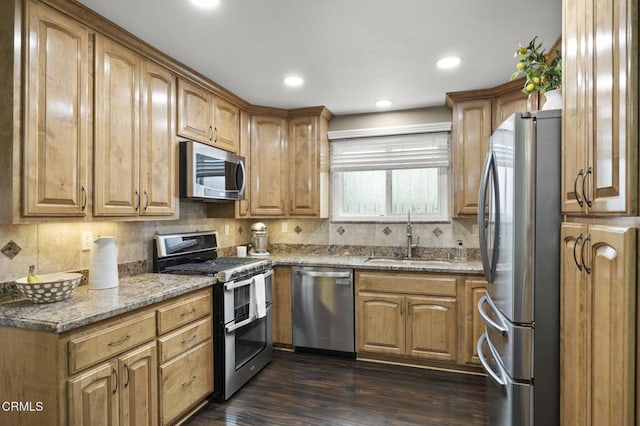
119, 342
184, 314
185, 341
185, 384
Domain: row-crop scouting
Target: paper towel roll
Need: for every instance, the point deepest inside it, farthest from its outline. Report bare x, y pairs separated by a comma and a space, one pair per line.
103, 270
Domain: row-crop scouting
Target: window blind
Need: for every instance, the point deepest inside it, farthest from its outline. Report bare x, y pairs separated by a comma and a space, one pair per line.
410, 151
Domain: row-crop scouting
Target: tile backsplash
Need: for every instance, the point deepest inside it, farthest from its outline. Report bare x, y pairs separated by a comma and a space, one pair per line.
54, 247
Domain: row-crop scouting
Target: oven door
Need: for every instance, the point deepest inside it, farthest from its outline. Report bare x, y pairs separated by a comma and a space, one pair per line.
248, 348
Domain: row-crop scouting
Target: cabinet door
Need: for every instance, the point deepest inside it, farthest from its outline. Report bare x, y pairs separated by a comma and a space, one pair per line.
574, 359
268, 166
432, 327
195, 112
116, 130
614, 122
471, 325
303, 166
139, 386
157, 141
509, 103
226, 120
470, 144
611, 325
597, 344
380, 323
93, 397
281, 292
57, 105
242, 206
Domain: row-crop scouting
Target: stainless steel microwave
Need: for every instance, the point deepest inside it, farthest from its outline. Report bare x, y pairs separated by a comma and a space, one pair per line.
210, 174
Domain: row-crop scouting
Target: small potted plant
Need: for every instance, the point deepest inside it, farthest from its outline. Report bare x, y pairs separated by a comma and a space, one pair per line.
543, 73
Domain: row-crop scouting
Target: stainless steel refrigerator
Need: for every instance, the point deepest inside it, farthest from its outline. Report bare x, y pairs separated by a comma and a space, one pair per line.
519, 230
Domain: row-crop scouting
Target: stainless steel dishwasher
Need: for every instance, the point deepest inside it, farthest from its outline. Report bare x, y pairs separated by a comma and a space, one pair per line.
323, 310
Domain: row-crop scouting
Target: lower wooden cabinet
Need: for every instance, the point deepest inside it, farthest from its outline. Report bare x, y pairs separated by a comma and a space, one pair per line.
281, 298
471, 324
598, 325
118, 392
119, 371
408, 314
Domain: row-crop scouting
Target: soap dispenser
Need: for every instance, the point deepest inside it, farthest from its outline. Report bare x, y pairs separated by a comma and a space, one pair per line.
461, 252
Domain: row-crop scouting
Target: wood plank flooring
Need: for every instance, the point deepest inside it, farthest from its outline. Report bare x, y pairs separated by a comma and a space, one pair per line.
311, 389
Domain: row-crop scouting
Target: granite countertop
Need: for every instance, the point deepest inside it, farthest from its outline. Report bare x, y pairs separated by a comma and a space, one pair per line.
360, 262
86, 306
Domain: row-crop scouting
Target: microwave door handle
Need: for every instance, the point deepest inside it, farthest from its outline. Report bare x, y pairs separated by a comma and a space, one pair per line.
244, 174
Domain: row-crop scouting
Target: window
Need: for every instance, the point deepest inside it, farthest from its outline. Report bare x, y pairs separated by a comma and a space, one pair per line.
382, 178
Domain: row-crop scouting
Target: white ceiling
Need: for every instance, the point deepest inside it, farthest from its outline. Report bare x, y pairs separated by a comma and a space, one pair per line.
350, 52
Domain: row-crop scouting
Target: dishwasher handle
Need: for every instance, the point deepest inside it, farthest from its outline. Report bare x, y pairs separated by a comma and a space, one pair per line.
317, 274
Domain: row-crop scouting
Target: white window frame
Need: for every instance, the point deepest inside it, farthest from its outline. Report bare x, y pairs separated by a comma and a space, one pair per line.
443, 175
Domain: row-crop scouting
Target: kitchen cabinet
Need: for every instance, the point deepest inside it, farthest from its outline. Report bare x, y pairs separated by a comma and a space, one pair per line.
598, 325
207, 118
186, 360
135, 146
475, 115
407, 314
150, 366
600, 107
281, 298
56, 115
118, 392
268, 166
471, 324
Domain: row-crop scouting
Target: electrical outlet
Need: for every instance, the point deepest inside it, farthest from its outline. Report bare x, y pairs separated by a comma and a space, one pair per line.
474, 230
226, 230
285, 227
87, 240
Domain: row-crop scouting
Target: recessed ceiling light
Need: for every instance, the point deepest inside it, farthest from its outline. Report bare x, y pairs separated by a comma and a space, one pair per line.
449, 62
206, 4
384, 103
293, 81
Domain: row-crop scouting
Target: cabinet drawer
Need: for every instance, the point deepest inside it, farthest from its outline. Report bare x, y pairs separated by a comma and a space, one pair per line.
185, 381
183, 339
92, 348
184, 311
408, 283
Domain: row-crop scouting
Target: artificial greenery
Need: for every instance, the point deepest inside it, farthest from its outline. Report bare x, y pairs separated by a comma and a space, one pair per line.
541, 74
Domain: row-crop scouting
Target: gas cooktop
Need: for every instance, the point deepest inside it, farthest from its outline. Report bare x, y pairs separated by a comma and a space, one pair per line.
195, 253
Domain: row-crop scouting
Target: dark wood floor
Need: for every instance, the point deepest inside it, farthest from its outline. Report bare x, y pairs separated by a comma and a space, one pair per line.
310, 389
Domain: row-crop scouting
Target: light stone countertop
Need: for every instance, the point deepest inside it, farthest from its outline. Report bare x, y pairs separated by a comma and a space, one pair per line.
86, 306
471, 267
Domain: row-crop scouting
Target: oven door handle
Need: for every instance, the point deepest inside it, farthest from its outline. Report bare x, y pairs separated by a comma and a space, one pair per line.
236, 284
234, 327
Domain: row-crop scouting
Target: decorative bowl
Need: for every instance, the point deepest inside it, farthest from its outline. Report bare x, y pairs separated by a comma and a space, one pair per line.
53, 288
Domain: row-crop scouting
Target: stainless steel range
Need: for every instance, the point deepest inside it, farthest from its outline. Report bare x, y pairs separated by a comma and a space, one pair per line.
241, 303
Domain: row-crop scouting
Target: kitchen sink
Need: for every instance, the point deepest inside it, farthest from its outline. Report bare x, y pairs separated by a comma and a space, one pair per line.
405, 261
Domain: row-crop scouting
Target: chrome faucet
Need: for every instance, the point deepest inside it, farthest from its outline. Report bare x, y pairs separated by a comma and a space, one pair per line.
410, 244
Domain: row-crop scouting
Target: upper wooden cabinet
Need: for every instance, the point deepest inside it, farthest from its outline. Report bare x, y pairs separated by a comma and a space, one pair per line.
268, 166
476, 114
56, 113
598, 325
135, 142
207, 118
600, 101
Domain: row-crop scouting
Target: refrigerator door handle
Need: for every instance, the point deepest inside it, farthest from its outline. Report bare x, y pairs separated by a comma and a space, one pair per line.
487, 320
489, 176
498, 379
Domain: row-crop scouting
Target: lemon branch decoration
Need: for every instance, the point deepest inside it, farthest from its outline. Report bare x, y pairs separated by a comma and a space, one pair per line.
542, 72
